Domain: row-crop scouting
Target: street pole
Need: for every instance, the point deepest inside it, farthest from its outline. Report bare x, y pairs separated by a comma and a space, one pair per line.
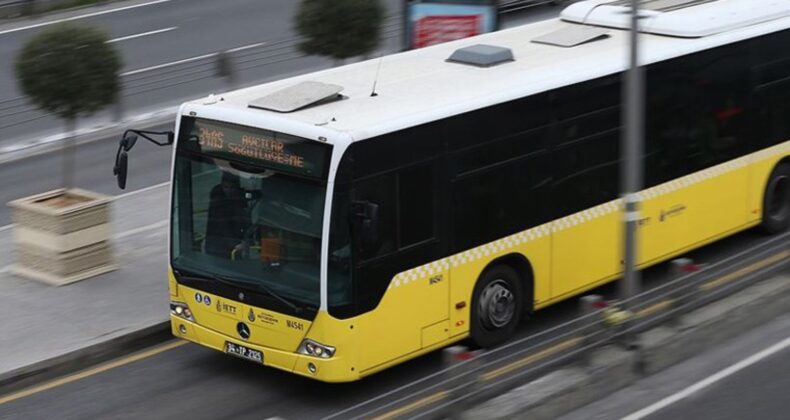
631, 143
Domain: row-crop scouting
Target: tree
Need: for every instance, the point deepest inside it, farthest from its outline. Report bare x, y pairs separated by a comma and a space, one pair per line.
69, 70
339, 28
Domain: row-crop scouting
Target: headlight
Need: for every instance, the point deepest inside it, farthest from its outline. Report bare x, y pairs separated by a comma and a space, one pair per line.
181, 310
312, 348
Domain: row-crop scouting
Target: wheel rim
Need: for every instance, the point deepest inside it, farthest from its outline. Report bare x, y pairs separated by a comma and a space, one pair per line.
497, 305
778, 205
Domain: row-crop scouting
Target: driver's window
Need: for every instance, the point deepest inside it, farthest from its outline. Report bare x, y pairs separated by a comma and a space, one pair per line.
380, 190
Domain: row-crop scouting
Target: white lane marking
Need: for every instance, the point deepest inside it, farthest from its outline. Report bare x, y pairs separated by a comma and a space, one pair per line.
190, 59
172, 63
710, 380
141, 229
6, 227
158, 31
246, 47
141, 190
103, 12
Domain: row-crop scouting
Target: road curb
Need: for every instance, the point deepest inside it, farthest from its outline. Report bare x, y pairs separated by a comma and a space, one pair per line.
77, 360
611, 368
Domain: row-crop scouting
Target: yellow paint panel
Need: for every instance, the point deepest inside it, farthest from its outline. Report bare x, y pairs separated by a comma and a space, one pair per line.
268, 328
586, 252
394, 328
435, 333
172, 285
702, 208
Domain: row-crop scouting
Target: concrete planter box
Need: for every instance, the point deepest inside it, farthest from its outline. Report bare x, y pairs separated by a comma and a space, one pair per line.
62, 236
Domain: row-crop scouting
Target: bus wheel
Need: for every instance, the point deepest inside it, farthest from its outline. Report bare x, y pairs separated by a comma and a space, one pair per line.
497, 305
776, 201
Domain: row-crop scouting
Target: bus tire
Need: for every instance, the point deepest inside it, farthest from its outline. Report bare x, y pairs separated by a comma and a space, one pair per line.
776, 201
497, 306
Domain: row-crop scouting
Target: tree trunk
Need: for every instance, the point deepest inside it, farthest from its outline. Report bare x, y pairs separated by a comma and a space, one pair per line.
69, 150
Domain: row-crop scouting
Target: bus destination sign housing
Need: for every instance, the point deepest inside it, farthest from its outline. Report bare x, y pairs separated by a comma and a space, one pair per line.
278, 151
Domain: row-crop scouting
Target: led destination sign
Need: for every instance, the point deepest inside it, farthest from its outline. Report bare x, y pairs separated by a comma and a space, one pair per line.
277, 151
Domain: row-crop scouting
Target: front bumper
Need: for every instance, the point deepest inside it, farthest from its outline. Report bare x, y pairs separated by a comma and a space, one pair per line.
335, 369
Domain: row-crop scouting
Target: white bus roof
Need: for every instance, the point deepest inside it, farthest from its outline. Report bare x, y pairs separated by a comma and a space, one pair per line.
419, 86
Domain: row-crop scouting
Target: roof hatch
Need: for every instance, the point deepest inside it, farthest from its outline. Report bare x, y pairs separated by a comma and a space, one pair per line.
679, 18
572, 36
481, 55
298, 96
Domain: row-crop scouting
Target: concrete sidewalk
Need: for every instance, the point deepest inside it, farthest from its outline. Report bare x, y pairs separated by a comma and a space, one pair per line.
41, 322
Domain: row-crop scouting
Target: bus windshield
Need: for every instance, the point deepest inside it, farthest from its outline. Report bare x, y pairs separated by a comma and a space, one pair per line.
247, 225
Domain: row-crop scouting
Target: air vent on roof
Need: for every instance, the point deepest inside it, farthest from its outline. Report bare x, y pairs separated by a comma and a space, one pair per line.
298, 96
572, 36
679, 18
661, 5
481, 55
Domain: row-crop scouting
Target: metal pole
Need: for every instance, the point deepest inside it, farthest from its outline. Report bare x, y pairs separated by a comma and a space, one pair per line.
632, 163
69, 150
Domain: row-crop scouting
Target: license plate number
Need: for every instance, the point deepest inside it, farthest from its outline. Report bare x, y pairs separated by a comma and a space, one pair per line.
243, 352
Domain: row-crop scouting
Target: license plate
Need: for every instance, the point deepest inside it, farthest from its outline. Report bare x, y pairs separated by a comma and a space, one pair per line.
243, 352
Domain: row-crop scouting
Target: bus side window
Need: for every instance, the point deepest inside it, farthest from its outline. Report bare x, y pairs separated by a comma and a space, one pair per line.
416, 197
697, 112
499, 200
406, 204
480, 208
380, 190
772, 88
587, 161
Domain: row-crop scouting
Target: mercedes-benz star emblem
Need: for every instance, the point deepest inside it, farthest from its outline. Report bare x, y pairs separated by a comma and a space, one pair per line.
241, 296
243, 330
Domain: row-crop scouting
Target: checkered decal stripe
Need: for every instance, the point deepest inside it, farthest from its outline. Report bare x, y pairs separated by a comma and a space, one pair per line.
509, 243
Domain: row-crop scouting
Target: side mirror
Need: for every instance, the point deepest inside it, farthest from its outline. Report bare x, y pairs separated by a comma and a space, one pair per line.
128, 142
120, 169
367, 221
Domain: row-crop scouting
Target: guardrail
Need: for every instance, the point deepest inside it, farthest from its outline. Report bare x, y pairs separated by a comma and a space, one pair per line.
467, 383
10, 3
16, 8
11, 8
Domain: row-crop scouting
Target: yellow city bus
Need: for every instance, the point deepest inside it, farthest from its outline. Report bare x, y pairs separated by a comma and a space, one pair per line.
331, 230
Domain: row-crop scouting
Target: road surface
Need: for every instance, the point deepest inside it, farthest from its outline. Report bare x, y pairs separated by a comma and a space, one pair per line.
745, 378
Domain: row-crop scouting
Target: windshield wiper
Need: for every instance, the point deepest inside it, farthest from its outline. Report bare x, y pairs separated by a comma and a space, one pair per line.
259, 286
253, 285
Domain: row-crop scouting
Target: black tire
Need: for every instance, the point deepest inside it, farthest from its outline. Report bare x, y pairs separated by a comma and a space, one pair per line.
776, 201
497, 306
